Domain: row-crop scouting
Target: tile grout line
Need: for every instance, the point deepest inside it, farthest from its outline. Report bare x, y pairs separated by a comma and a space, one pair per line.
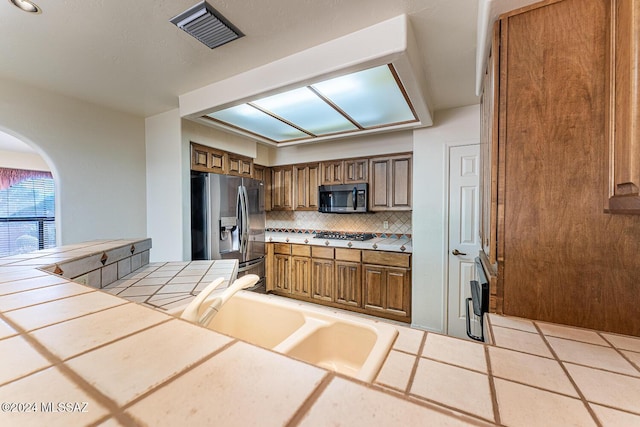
178, 375
581, 395
37, 288
417, 398
91, 290
311, 399
414, 369
424, 402
621, 353
57, 322
113, 341
453, 365
492, 387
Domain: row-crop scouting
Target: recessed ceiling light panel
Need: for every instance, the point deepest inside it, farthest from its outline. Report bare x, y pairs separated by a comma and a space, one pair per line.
369, 99
26, 6
206, 24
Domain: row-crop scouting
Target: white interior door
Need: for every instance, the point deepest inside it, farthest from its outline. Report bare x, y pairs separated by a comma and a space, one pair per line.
464, 240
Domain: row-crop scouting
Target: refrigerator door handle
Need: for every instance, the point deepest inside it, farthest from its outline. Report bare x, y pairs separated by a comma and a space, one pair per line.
242, 219
240, 216
208, 227
245, 220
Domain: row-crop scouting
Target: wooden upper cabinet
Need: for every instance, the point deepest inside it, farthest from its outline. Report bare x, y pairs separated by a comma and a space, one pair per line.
240, 165
356, 171
306, 183
282, 188
295, 187
265, 176
489, 150
207, 159
259, 172
623, 171
351, 171
331, 172
390, 183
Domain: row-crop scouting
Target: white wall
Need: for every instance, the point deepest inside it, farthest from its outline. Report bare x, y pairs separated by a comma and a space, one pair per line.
97, 159
165, 182
458, 126
22, 160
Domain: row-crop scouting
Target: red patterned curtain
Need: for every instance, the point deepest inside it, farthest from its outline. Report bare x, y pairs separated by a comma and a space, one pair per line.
8, 177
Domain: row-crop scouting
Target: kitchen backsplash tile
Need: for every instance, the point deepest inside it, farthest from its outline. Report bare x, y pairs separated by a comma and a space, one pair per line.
399, 222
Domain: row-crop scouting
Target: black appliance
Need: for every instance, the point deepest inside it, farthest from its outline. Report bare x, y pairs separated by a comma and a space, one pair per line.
343, 198
479, 300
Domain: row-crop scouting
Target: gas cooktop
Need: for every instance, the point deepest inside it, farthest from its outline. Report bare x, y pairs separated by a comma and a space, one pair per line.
343, 236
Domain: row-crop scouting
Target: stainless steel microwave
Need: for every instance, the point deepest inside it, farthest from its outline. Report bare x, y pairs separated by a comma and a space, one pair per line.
344, 198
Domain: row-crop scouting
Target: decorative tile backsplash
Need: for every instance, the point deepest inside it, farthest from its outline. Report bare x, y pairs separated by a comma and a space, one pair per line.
399, 222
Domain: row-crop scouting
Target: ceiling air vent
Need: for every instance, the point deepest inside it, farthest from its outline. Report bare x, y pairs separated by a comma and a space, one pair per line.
207, 25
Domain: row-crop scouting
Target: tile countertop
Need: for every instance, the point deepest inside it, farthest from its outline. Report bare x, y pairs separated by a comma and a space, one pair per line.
390, 244
74, 355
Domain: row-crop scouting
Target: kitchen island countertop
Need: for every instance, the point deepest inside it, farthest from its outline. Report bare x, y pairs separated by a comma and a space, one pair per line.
100, 359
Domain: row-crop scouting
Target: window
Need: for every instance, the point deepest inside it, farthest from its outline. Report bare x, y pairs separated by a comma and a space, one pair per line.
27, 211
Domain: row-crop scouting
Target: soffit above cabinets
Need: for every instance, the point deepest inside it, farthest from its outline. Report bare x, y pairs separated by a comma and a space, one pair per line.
367, 81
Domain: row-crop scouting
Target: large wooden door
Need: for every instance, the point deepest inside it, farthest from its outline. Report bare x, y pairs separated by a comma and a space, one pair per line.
464, 236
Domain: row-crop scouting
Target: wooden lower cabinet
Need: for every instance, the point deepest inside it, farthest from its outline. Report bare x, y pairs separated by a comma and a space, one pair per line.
387, 289
301, 276
282, 274
348, 283
370, 282
322, 278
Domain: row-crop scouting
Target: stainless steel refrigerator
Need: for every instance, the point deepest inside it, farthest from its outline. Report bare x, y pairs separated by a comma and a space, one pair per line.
228, 220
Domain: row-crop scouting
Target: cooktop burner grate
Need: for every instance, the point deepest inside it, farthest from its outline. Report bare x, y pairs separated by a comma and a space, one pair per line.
343, 236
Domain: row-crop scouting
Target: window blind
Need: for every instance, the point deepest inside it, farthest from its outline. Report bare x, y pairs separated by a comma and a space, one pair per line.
27, 212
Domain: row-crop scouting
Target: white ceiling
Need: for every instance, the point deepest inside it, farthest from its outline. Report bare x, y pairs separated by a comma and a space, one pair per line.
128, 56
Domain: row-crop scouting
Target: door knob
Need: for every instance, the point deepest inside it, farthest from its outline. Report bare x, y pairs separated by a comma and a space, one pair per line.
457, 252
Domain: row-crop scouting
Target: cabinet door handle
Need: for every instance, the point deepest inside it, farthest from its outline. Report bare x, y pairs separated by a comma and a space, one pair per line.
457, 252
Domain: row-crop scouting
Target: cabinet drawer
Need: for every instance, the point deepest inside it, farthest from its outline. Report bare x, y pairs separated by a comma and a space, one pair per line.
282, 248
386, 258
301, 250
320, 252
352, 255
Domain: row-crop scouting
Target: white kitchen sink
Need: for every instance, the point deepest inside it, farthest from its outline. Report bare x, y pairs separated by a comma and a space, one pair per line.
347, 344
